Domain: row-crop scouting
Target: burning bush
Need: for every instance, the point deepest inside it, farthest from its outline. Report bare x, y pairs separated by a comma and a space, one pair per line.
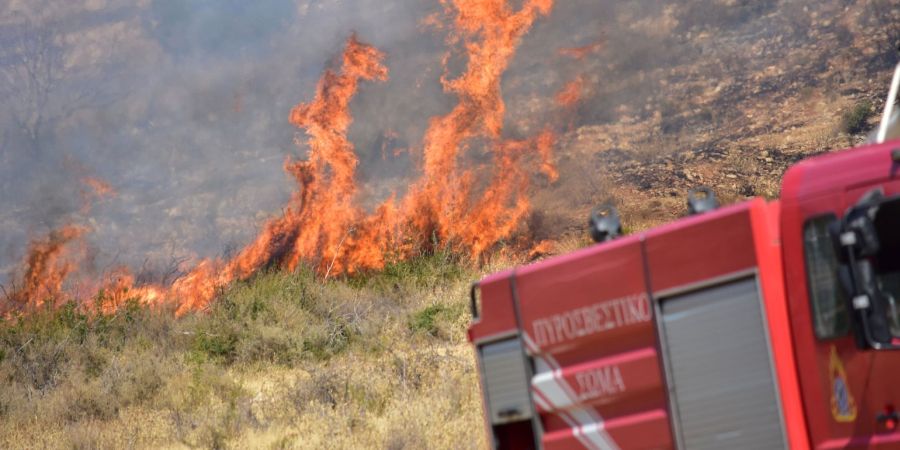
454, 204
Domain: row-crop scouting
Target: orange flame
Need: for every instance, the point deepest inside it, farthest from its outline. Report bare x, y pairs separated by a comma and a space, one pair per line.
440, 203
570, 94
579, 53
46, 268
94, 189
98, 187
322, 225
540, 249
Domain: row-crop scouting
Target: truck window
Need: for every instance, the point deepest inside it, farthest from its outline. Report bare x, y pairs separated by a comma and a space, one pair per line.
889, 284
887, 262
829, 301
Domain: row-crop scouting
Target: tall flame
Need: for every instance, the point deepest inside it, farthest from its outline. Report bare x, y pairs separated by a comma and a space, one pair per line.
440, 202
322, 225
46, 268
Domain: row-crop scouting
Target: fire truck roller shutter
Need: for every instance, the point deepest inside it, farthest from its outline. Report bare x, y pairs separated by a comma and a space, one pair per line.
506, 381
721, 368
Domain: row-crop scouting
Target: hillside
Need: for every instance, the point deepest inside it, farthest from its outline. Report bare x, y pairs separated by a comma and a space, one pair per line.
722, 94
197, 300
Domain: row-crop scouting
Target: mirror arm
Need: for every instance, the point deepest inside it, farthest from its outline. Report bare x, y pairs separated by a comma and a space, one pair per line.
871, 341
861, 310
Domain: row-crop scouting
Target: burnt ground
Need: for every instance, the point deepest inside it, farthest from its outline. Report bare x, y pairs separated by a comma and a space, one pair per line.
729, 105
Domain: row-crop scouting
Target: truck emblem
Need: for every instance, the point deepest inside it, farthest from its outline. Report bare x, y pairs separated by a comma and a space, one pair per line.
843, 407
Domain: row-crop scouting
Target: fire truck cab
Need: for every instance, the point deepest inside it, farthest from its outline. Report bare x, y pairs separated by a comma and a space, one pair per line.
764, 324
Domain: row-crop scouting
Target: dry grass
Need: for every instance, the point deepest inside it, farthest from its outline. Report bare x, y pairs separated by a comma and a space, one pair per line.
282, 361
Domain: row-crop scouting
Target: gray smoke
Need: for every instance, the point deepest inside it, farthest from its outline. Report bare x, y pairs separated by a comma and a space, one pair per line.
182, 106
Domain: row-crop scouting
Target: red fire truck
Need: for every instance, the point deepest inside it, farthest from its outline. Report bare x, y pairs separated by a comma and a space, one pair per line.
764, 324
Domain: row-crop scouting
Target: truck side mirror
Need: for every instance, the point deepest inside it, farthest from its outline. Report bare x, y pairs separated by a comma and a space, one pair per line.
860, 220
859, 244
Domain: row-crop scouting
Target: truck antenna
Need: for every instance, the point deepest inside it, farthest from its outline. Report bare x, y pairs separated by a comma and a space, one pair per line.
886, 117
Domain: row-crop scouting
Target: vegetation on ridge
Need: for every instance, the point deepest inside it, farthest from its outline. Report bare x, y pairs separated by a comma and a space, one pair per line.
284, 360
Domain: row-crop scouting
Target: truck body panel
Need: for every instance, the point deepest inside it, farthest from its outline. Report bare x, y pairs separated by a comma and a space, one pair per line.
597, 371
826, 187
700, 333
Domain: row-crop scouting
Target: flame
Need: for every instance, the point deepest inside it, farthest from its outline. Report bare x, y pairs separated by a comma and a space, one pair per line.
540, 249
46, 268
321, 219
579, 53
119, 288
322, 225
570, 94
440, 203
93, 189
99, 188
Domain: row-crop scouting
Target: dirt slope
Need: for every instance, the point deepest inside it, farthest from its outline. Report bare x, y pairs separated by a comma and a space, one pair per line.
719, 93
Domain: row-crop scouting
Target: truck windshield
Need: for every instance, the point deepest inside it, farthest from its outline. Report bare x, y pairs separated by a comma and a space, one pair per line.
887, 263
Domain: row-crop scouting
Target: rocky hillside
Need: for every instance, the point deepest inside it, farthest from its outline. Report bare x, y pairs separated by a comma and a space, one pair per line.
725, 94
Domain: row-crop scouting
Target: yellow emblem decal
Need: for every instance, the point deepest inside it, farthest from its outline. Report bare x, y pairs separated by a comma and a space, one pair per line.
843, 407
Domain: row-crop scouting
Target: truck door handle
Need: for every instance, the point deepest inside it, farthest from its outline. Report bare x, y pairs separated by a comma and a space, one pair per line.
509, 413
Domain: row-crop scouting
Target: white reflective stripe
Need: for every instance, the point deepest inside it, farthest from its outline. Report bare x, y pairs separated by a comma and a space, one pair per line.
576, 431
529, 344
598, 436
541, 366
591, 434
557, 389
565, 385
541, 403
549, 385
582, 416
592, 428
556, 397
587, 425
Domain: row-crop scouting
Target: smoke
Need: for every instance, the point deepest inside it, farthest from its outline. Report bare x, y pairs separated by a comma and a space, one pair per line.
182, 107
185, 115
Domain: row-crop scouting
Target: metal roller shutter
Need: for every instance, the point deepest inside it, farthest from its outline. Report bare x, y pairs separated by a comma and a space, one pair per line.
721, 368
506, 381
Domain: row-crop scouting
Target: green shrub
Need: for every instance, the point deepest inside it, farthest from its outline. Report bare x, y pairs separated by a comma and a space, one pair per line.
421, 272
323, 387
333, 342
855, 119
36, 362
436, 320
81, 401
425, 321
270, 345
221, 346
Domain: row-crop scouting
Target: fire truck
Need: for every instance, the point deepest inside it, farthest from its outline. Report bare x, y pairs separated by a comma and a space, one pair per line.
760, 325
